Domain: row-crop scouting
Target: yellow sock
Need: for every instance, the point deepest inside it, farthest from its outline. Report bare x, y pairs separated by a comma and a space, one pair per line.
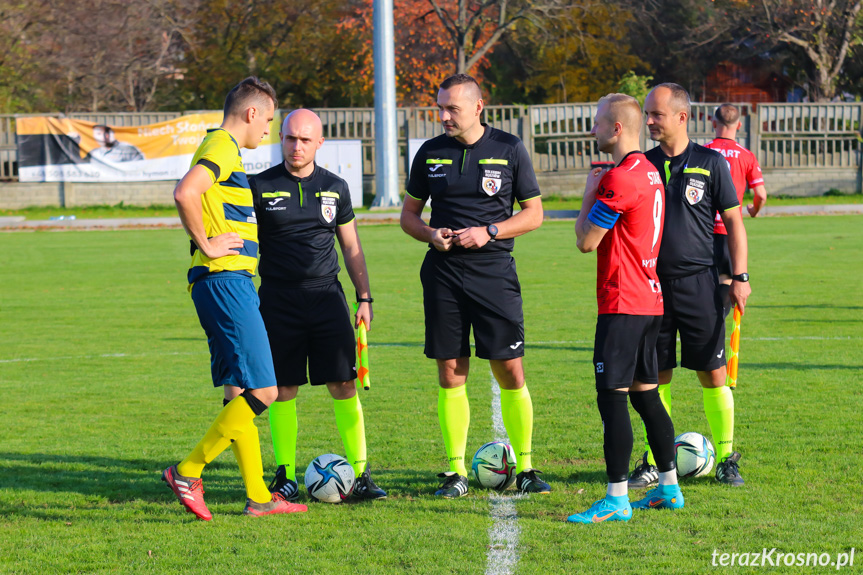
453, 412
247, 450
516, 409
352, 429
229, 424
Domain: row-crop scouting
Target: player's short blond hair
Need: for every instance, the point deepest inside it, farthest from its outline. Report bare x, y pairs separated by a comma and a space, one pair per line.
624, 109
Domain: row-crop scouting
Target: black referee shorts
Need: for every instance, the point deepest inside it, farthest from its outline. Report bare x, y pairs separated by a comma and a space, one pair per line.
721, 255
479, 291
694, 309
309, 326
624, 350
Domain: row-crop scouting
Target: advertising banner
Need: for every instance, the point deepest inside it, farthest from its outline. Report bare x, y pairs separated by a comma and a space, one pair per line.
65, 150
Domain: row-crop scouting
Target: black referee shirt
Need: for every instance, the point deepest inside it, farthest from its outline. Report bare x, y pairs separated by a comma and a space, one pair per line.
697, 185
474, 185
297, 219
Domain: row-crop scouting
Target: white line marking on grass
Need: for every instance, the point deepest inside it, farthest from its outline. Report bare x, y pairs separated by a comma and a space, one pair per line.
502, 557
418, 344
99, 356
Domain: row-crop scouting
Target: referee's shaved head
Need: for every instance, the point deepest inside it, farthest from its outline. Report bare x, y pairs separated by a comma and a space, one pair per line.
727, 115
471, 86
302, 117
678, 99
624, 109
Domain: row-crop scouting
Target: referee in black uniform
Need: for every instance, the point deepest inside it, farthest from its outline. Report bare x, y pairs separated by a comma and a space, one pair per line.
474, 174
301, 208
697, 185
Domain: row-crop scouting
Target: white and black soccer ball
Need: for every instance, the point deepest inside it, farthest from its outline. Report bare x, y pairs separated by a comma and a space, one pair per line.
493, 465
329, 478
693, 454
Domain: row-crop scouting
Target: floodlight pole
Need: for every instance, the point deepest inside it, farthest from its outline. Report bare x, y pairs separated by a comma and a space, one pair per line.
386, 131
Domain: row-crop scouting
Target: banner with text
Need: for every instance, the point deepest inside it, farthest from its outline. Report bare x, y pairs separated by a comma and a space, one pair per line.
64, 150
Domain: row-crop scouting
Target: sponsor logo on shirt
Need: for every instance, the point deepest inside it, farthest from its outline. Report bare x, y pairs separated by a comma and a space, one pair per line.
600, 367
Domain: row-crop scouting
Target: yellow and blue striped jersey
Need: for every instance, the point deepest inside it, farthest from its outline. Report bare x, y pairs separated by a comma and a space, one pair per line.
227, 206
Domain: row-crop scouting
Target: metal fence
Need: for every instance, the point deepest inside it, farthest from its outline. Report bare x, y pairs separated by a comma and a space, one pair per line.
558, 135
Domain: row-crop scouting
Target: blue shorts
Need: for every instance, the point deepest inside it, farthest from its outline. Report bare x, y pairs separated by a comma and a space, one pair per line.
227, 307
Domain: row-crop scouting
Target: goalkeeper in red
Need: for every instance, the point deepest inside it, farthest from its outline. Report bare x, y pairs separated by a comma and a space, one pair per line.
622, 219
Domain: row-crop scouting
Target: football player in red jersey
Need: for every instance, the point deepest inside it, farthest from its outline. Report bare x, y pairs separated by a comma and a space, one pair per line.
746, 173
622, 219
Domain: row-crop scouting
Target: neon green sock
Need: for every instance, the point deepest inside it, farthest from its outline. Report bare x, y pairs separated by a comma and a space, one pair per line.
247, 450
665, 398
719, 409
516, 408
352, 429
230, 424
283, 426
453, 411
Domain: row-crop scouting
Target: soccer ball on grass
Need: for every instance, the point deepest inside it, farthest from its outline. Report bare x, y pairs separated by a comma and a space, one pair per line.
493, 465
329, 478
693, 454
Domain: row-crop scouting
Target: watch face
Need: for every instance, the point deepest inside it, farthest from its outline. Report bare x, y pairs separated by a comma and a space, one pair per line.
492, 230
744, 277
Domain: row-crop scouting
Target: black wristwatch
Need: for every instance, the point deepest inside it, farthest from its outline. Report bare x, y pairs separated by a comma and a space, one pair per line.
365, 299
491, 230
744, 277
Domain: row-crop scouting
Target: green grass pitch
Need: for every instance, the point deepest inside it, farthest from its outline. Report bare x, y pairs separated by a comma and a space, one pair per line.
104, 375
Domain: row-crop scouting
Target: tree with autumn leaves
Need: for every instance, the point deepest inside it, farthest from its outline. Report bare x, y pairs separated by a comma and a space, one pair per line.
112, 55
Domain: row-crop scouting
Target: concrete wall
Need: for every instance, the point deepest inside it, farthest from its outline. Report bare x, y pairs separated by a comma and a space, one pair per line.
16, 195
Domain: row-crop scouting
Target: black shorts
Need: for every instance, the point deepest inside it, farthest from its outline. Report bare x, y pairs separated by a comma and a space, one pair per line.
624, 350
693, 308
309, 326
479, 291
721, 255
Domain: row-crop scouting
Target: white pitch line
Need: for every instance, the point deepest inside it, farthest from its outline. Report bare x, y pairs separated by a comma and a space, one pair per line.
502, 557
418, 344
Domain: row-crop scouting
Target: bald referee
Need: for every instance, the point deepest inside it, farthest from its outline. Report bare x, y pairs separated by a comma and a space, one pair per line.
697, 185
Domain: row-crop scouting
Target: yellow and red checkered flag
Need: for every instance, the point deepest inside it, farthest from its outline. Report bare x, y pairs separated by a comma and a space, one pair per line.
362, 355
733, 357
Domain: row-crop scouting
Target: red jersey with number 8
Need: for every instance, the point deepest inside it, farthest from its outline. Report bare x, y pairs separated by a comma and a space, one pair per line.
626, 280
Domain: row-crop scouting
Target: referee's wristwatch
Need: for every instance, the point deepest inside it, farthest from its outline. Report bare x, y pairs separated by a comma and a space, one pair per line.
491, 230
744, 277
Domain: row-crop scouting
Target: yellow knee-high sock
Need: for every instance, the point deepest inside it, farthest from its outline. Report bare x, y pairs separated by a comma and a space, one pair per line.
453, 412
719, 409
229, 424
516, 409
284, 426
665, 398
247, 450
352, 429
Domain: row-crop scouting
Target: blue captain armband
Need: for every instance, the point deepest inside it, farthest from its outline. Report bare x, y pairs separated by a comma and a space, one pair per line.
602, 216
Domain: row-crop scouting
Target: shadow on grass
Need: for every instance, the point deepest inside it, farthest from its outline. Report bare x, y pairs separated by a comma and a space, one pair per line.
820, 306
801, 366
116, 480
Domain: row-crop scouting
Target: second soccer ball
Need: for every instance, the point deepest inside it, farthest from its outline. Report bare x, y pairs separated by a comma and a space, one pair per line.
693, 454
493, 465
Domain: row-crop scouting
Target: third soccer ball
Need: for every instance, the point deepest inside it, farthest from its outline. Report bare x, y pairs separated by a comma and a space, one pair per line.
329, 478
494, 465
693, 454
